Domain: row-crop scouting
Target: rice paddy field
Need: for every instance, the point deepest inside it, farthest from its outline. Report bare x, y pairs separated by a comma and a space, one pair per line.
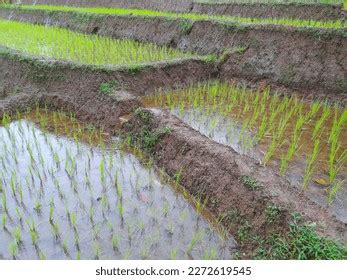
118, 145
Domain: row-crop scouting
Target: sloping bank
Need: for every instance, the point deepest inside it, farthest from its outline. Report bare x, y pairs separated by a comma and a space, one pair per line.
257, 206
303, 59
315, 11
97, 94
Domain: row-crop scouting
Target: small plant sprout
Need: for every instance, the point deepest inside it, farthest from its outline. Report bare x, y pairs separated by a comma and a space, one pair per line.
310, 164
13, 249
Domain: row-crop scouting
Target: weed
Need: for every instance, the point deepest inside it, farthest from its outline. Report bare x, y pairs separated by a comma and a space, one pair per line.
250, 182
272, 213
108, 87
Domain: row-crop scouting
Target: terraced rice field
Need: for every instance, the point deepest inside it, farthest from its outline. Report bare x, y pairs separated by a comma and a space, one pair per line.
147, 131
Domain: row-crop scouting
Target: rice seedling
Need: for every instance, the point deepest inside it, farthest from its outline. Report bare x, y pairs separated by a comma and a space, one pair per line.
61, 44
13, 249
310, 162
49, 190
266, 126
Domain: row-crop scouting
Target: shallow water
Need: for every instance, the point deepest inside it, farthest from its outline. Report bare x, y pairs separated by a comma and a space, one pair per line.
229, 132
88, 202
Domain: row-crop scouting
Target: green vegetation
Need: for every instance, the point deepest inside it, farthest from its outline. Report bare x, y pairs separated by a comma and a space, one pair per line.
302, 243
62, 44
72, 184
278, 1
250, 182
108, 87
187, 16
271, 128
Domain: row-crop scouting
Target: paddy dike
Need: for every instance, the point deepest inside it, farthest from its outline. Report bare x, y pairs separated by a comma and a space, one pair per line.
208, 170
257, 10
214, 172
308, 60
76, 88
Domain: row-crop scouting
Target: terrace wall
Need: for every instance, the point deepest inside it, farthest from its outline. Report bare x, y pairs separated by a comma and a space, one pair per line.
306, 59
258, 10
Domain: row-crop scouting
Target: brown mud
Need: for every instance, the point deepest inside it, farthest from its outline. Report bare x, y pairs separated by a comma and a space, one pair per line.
77, 88
310, 60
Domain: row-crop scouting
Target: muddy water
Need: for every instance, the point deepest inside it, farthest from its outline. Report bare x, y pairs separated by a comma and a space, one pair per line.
62, 199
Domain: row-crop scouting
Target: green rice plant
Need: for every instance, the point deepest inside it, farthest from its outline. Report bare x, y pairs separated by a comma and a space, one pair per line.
173, 254
310, 163
55, 229
197, 237
334, 188
188, 16
17, 234
97, 250
319, 124
62, 44
13, 249
210, 254
115, 242
65, 246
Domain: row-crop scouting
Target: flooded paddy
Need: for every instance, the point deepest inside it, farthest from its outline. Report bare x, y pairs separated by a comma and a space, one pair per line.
69, 191
307, 142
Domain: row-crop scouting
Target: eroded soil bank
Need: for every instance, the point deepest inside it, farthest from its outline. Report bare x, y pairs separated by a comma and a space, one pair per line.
307, 59
258, 10
77, 88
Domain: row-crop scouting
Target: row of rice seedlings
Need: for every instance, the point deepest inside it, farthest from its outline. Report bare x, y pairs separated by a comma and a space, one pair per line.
187, 16
63, 190
62, 44
287, 128
277, 1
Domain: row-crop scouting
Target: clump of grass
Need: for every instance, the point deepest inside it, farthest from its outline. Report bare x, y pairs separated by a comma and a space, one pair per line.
302, 243
250, 182
272, 213
108, 87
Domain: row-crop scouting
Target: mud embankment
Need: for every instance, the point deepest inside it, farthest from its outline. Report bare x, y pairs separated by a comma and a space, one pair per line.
76, 88
258, 10
277, 10
305, 59
214, 172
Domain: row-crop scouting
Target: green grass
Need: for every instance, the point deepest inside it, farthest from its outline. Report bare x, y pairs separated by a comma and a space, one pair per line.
302, 243
188, 16
62, 44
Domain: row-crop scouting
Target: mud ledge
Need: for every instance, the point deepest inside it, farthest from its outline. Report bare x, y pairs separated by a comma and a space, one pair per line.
76, 88
314, 11
213, 171
317, 11
307, 59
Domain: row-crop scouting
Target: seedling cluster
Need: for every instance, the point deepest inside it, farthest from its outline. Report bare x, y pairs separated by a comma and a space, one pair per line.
69, 192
